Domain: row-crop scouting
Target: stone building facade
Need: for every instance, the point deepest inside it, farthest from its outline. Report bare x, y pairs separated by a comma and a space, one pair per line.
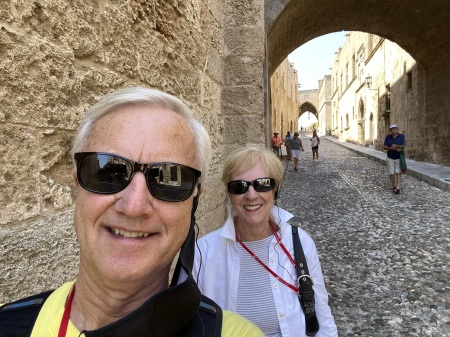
284, 99
375, 83
324, 113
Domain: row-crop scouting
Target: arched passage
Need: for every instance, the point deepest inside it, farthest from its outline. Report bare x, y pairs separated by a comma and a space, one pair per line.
307, 106
305, 121
420, 28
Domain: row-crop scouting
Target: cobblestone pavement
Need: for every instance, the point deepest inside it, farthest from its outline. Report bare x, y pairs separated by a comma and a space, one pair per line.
385, 257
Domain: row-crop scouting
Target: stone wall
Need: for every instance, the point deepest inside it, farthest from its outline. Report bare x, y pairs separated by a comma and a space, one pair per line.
284, 99
57, 58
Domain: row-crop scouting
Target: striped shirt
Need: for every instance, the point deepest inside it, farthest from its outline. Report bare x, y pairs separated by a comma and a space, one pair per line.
255, 301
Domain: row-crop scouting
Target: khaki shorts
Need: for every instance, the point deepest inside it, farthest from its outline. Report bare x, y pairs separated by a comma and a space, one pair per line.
393, 166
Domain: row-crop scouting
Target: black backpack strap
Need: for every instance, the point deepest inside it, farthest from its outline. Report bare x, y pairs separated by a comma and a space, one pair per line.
17, 318
305, 284
207, 322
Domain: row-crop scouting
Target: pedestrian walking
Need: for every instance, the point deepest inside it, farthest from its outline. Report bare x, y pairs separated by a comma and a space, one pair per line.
315, 141
296, 146
287, 143
394, 143
276, 143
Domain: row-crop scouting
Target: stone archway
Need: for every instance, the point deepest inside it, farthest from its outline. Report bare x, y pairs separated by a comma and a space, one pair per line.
307, 107
421, 28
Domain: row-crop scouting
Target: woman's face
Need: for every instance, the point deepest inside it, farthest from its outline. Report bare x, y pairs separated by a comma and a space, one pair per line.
253, 208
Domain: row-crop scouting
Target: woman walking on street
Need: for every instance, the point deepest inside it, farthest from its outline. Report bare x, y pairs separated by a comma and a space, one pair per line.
296, 146
315, 141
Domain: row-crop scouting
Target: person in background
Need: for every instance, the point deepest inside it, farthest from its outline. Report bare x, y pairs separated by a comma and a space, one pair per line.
140, 159
394, 143
276, 143
246, 266
315, 142
287, 143
296, 146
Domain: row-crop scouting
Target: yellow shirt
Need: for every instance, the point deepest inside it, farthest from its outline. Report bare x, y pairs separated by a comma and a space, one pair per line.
49, 319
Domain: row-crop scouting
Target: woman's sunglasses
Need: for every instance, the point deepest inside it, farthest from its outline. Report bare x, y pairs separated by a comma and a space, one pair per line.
107, 173
260, 185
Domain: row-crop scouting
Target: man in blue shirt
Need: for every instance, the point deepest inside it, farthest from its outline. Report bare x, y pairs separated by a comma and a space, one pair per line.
287, 142
394, 143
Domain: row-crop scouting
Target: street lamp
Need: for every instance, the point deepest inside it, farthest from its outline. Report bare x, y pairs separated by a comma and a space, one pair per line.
369, 81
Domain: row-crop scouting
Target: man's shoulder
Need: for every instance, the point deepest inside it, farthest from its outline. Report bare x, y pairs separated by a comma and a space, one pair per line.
38, 315
235, 325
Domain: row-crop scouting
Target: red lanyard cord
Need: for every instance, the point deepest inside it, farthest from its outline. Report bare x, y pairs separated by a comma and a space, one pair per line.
66, 315
281, 244
267, 267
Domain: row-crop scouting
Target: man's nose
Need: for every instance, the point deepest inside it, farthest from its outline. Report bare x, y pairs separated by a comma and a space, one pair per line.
135, 199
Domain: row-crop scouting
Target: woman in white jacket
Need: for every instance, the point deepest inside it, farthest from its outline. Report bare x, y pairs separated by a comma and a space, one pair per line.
247, 265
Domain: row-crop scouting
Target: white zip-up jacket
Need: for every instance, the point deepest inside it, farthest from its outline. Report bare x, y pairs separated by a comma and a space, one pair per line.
219, 275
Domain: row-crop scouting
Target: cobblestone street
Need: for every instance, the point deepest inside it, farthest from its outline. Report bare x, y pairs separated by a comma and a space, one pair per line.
385, 257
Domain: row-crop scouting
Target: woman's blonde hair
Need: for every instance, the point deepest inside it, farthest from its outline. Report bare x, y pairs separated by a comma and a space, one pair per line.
243, 159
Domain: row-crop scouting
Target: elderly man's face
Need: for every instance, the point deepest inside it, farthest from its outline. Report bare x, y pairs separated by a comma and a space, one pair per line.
145, 135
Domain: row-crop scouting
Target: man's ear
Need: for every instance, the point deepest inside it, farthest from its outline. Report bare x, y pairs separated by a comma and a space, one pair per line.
196, 197
198, 190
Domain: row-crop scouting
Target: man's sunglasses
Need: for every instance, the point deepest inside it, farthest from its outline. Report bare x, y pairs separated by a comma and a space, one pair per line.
107, 173
260, 185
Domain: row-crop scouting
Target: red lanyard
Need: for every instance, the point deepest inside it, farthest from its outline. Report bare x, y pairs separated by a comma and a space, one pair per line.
66, 315
265, 266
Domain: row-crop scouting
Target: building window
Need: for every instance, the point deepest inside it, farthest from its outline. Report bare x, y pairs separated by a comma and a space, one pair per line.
346, 75
353, 66
409, 80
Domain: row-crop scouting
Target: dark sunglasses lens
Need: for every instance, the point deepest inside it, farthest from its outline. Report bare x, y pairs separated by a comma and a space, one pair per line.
264, 184
170, 182
260, 185
103, 173
238, 187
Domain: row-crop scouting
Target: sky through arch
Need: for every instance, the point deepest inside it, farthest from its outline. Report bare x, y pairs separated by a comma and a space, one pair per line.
313, 61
